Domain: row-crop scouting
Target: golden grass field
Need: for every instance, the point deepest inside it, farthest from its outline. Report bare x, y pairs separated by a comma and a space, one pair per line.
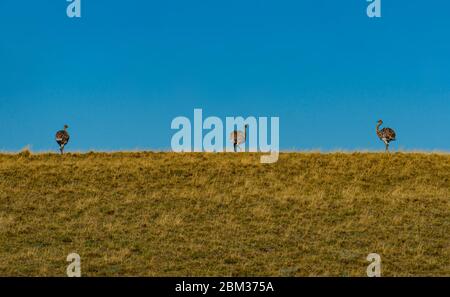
170, 214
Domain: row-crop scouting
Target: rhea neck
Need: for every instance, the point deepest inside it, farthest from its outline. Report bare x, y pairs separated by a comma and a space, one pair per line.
378, 126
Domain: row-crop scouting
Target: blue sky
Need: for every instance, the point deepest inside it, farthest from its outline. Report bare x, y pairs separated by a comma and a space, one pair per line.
121, 73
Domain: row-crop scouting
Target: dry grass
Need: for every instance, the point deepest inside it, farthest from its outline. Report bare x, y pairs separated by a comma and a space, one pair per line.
167, 214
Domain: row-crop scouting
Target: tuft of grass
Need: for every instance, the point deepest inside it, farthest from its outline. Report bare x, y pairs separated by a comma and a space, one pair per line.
200, 214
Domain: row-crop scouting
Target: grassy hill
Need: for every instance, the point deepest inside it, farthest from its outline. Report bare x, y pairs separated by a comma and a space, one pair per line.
168, 214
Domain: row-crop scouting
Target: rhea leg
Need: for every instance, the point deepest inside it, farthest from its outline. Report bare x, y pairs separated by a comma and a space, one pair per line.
235, 147
61, 149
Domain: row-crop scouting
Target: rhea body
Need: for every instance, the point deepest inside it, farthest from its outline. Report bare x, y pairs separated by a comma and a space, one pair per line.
238, 138
62, 138
386, 134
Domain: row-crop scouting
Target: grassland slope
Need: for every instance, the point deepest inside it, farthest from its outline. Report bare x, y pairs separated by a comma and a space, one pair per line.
168, 214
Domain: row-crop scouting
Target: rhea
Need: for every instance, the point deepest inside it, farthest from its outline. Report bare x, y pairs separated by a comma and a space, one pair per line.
238, 138
62, 138
386, 134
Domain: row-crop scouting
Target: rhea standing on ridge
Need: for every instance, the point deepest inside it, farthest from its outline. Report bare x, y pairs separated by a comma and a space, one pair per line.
386, 134
238, 138
62, 138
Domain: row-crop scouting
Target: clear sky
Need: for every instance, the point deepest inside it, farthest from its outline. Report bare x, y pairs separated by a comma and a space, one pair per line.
121, 73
